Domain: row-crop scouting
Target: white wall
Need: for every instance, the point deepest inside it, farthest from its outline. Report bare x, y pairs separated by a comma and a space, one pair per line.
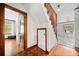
77, 27
67, 39
66, 15
10, 14
51, 37
32, 37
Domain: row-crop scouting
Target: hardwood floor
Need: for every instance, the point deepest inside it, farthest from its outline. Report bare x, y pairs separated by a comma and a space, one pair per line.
60, 50
11, 47
77, 49
33, 51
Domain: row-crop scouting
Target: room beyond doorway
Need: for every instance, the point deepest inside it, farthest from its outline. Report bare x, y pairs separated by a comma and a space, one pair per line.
15, 30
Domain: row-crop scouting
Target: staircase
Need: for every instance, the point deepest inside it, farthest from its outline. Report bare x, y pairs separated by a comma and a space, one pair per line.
52, 17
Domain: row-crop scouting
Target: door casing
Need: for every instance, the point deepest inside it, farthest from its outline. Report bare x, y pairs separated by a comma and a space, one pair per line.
45, 36
25, 22
2, 42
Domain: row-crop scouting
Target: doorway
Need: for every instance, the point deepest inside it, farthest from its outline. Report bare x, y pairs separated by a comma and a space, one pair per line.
15, 30
42, 38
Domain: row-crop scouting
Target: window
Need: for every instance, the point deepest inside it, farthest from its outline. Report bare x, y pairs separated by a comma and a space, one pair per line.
9, 25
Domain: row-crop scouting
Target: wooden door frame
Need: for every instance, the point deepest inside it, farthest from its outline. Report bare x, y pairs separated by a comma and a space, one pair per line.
25, 22
45, 36
2, 42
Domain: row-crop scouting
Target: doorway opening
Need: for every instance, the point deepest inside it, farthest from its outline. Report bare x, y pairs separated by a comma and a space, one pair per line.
15, 30
42, 38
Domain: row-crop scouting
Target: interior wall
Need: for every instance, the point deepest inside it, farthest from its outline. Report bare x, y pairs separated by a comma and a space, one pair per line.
67, 40
77, 27
10, 14
66, 14
31, 32
51, 37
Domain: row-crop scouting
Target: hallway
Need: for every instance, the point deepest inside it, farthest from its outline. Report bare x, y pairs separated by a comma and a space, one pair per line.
58, 20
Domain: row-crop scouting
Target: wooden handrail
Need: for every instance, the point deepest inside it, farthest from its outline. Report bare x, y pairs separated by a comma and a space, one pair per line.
52, 16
